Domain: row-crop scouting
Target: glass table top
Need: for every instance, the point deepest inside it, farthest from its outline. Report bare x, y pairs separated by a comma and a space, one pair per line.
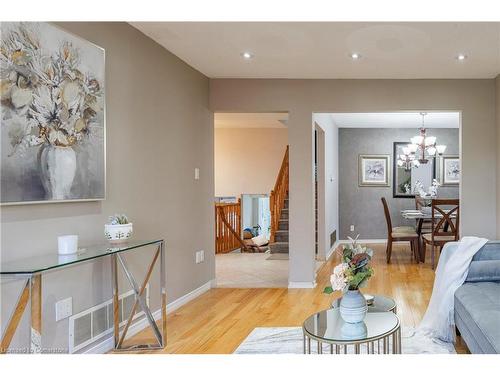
379, 304
328, 325
46, 262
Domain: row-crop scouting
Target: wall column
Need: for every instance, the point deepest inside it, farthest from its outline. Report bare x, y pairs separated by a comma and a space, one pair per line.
301, 242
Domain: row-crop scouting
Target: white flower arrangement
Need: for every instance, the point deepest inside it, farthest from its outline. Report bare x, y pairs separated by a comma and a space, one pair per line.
354, 270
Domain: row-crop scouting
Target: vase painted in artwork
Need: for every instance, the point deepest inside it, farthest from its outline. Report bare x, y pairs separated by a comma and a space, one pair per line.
57, 170
52, 115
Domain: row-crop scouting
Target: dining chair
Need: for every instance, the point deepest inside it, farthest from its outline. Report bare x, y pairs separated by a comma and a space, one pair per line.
399, 234
445, 224
424, 225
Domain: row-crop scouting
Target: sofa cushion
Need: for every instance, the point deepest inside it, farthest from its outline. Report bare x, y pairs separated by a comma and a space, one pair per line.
484, 270
478, 307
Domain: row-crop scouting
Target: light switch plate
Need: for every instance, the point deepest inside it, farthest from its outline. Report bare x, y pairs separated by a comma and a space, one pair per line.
197, 173
64, 308
352, 228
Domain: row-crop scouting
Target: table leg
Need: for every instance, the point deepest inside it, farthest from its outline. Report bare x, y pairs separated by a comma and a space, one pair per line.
399, 341
163, 291
116, 304
304, 342
356, 348
419, 233
36, 313
15, 318
320, 347
308, 345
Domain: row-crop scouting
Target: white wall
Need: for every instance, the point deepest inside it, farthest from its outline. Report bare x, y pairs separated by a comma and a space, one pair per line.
247, 160
330, 209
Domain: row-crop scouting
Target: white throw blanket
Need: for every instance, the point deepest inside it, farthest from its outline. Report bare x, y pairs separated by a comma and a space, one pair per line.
451, 272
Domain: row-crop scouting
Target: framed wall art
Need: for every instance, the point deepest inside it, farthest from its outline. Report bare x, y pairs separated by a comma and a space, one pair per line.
52, 114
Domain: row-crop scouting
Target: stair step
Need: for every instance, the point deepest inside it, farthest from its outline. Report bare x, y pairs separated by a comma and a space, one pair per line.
281, 235
283, 225
279, 247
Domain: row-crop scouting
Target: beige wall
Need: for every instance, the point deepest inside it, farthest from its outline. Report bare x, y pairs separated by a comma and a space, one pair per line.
247, 160
475, 98
497, 107
159, 128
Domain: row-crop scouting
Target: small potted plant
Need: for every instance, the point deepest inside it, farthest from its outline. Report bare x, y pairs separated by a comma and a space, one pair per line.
350, 275
118, 229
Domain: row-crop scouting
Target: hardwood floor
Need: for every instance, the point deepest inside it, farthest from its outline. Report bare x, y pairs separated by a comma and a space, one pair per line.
219, 320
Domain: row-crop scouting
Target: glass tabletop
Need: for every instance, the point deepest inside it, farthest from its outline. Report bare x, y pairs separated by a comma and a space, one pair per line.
379, 303
328, 325
46, 262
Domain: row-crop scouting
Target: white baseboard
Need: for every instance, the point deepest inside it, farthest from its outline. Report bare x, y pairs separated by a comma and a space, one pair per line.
107, 344
332, 250
302, 285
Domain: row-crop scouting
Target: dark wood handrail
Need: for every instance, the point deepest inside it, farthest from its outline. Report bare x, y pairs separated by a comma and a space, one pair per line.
279, 194
228, 227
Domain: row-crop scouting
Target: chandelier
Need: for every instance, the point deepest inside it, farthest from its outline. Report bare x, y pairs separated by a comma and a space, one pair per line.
423, 146
407, 160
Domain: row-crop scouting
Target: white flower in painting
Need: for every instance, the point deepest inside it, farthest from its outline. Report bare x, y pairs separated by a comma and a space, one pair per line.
338, 278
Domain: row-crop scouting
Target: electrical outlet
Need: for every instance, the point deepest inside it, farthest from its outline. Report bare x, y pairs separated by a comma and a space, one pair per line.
352, 228
64, 308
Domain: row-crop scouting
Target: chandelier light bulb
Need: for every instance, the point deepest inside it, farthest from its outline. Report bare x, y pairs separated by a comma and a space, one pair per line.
413, 147
430, 141
440, 149
431, 151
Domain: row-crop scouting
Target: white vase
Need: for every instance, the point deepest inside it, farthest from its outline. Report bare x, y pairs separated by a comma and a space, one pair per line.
353, 306
118, 233
57, 170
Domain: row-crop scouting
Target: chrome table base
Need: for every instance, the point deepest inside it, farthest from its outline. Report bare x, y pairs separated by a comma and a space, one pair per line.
388, 344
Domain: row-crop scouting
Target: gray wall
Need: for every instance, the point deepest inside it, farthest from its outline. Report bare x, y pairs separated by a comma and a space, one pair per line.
361, 206
474, 97
159, 128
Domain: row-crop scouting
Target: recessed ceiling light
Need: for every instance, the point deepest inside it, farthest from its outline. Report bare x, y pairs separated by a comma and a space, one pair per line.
461, 57
246, 55
355, 56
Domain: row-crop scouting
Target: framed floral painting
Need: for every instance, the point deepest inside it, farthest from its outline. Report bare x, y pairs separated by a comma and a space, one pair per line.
450, 170
374, 170
53, 115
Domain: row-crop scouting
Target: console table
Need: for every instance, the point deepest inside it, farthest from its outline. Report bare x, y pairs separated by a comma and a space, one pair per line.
33, 268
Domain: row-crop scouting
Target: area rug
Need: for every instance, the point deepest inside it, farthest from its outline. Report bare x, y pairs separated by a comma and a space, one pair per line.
289, 340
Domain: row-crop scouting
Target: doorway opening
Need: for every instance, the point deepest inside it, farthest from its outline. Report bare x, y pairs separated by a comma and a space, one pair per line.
251, 199
367, 157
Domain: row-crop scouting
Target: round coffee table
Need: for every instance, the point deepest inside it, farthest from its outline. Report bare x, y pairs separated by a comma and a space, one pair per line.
380, 331
379, 304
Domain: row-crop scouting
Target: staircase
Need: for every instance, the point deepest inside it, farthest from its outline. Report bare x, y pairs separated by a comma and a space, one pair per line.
281, 235
279, 210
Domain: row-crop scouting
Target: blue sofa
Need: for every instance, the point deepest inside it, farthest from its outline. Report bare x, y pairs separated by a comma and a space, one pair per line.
477, 302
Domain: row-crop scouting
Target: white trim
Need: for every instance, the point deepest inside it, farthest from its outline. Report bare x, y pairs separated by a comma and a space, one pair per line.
302, 285
107, 344
332, 250
378, 240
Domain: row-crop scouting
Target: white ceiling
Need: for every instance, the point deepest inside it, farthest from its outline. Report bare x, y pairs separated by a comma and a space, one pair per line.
397, 120
250, 120
321, 50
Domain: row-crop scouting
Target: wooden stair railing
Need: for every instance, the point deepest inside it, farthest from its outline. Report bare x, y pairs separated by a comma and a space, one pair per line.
228, 227
278, 196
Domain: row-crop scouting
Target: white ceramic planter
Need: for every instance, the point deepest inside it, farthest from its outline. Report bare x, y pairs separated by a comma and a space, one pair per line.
353, 307
118, 233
